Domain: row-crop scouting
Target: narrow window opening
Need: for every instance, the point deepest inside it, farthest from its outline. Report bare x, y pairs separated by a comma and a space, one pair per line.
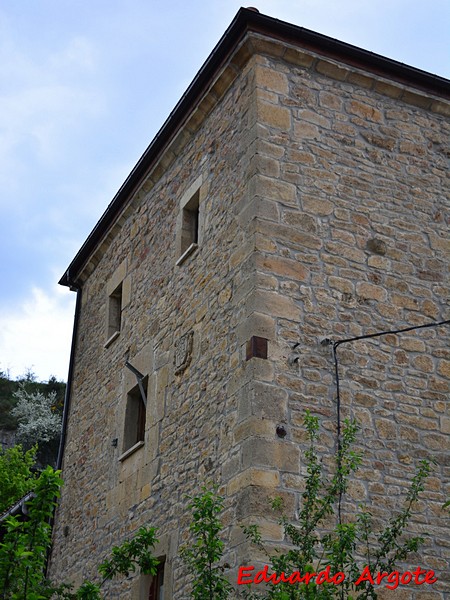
157, 585
115, 311
189, 231
135, 417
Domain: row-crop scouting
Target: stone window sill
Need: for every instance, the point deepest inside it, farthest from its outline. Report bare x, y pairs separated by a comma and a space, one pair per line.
192, 248
130, 451
111, 339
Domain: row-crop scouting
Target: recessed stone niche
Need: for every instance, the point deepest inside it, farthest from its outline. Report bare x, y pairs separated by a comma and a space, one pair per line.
376, 246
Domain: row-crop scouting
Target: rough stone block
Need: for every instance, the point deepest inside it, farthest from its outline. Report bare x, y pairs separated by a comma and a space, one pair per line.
373, 292
274, 189
272, 303
271, 79
262, 452
266, 165
117, 277
317, 206
365, 111
332, 70
274, 115
126, 292
386, 429
388, 89
252, 476
282, 267
444, 368
256, 324
256, 501
304, 130
313, 117
343, 285
253, 425
289, 236
360, 80
269, 402
298, 57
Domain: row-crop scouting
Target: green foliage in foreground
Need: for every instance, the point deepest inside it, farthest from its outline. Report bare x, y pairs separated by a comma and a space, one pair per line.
131, 555
26, 542
23, 551
16, 475
311, 549
204, 555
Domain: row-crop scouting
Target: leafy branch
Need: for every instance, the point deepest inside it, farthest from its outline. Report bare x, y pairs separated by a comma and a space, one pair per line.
203, 556
350, 545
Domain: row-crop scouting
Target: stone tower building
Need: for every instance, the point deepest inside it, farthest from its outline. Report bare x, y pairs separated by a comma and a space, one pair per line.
292, 204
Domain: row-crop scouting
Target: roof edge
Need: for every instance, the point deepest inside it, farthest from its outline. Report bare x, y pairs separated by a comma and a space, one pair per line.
246, 20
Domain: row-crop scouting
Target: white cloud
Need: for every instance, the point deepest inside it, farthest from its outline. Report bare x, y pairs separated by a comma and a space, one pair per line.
79, 53
37, 335
46, 101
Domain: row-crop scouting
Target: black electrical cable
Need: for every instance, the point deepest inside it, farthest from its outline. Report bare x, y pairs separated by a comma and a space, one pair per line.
338, 396
336, 370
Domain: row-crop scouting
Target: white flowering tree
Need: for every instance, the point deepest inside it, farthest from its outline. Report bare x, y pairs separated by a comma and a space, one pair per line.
39, 422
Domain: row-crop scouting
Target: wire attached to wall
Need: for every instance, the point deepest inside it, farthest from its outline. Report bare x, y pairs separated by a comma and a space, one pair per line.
336, 370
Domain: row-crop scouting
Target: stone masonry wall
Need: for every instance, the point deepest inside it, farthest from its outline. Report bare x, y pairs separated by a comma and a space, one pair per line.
322, 195
351, 239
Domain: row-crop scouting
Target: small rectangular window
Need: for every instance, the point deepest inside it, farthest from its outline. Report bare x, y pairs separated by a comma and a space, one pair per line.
135, 416
115, 311
157, 584
189, 232
190, 224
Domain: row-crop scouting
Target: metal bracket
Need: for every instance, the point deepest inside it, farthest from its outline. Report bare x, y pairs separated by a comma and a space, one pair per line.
140, 378
294, 356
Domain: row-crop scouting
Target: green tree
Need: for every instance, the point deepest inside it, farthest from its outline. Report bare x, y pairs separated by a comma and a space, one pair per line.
17, 476
7, 402
29, 382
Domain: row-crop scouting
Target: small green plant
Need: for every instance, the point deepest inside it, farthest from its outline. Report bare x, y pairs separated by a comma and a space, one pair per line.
204, 556
133, 554
351, 546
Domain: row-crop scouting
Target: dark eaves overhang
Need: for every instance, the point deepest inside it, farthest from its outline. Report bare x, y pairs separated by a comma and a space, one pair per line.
246, 20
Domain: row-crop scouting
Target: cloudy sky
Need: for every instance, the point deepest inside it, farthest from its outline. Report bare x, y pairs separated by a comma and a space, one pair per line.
84, 87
